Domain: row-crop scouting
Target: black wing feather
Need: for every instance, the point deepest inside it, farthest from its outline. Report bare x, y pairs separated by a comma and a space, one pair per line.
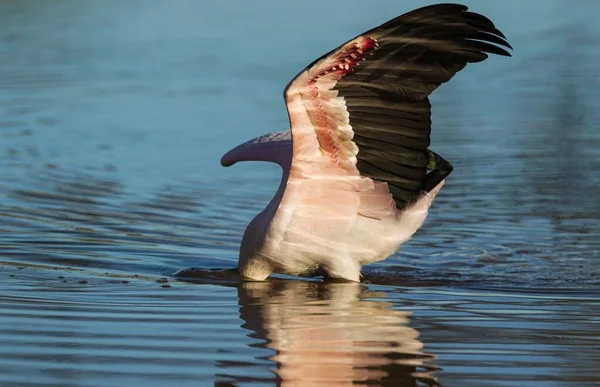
387, 94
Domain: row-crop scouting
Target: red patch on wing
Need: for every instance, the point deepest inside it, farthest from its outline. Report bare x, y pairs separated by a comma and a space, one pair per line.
342, 62
326, 112
319, 118
347, 57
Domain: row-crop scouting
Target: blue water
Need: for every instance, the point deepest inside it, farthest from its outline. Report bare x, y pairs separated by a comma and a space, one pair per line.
113, 118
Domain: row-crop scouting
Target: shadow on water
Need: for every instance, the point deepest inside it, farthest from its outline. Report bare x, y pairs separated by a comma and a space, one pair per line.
326, 333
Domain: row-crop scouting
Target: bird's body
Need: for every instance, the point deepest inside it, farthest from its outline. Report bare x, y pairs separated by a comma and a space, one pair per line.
358, 178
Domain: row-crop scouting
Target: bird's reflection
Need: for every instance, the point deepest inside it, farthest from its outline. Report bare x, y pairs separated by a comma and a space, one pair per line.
333, 334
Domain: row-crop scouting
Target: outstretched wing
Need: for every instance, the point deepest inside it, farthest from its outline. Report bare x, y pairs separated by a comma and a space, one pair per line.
365, 104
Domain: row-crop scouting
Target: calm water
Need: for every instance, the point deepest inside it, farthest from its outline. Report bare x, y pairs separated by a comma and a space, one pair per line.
113, 116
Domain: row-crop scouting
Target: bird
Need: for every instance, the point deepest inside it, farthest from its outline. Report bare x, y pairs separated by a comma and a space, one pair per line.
358, 175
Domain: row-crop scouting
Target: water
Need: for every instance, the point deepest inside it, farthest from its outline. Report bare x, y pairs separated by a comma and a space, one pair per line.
113, 118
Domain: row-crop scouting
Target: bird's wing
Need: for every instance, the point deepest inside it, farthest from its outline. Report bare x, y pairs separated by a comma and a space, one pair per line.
364, 106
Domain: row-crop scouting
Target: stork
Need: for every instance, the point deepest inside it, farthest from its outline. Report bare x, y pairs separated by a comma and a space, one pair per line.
358, 177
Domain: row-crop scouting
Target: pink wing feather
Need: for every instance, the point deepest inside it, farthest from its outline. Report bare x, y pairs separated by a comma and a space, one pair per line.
324, 155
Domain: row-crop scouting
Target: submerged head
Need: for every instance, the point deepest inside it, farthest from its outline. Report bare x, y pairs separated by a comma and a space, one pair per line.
275, 147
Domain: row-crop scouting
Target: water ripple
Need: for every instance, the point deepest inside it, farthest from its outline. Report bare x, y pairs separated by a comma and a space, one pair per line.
119, 235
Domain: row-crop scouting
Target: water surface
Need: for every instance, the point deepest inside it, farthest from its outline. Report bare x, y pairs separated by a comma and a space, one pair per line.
113, 117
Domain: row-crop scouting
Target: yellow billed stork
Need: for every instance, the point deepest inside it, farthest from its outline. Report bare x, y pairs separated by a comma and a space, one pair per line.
358, 177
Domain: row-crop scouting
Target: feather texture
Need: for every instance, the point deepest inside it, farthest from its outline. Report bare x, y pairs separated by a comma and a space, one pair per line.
368, 98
